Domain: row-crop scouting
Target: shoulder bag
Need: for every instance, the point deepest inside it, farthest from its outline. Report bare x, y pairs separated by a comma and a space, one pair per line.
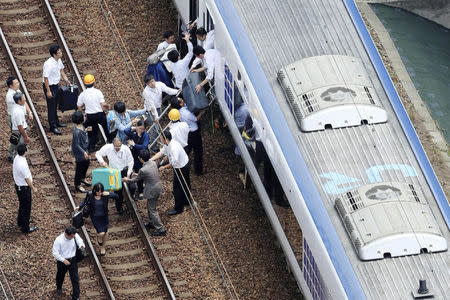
86, 210
15, 137
80, 254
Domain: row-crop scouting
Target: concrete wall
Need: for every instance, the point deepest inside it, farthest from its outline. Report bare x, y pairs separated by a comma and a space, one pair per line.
434, 10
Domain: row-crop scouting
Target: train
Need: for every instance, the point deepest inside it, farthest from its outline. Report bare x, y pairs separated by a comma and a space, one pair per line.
374, 219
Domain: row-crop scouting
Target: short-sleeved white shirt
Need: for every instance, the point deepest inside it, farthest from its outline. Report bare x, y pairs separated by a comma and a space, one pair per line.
187, 116
180, 132
92, 99
177, 156
162, 45
18, 117
21, 170
10, 100
52, 70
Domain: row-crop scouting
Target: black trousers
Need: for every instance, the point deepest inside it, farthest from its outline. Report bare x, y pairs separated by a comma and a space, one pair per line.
180, 191
23, 217
52, 105
81, 168
132, 188
195, 143
271, 182
93, 120
73, 272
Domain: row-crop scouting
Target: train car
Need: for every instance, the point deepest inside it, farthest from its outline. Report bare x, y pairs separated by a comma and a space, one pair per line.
373, 216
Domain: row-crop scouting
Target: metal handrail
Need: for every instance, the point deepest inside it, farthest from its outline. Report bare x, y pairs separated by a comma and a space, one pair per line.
46, 144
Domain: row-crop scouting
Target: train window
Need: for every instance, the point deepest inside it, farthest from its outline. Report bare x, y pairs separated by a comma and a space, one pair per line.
229, 88
239, 76
209, 21
193, 10
237, 97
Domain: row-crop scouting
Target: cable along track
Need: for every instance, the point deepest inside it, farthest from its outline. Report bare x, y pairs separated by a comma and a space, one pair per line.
131, 268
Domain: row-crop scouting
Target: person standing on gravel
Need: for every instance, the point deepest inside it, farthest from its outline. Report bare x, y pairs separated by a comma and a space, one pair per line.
13, 85
153, 94
169, 38
94, 104
53, 70
64, 250
180, 68
179, 160
18, 124
80, 151
23, 185
152, 190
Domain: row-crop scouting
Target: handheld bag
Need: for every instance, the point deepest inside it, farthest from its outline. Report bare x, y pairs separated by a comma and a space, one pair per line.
68, 96
109, 177
77, 219
15, 137
194, 102
80, 254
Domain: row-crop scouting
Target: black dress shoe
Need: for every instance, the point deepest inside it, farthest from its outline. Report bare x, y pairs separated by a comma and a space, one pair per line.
61, 125
55, 131
59, 291
174, 212
149, 225
159, 233
33, 228
86, 183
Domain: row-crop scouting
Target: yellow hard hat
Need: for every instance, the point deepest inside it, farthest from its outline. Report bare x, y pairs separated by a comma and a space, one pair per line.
89, 79
174, 114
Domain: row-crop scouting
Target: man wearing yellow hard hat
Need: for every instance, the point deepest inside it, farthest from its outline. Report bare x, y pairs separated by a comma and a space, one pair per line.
93, 102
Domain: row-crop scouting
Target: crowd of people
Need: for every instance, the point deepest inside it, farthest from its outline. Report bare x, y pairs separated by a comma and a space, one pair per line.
136, 144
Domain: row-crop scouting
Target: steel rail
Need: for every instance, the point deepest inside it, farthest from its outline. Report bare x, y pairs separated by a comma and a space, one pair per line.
60, 177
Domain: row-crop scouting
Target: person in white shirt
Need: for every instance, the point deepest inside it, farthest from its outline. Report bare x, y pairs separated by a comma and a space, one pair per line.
169, 38
13, 85
194, 141
23, 182
64, 251
119, 157
94, 105
179, 130
206, 40
152, 95
180, 69
18, 124
179, 160
211, 59
53, 70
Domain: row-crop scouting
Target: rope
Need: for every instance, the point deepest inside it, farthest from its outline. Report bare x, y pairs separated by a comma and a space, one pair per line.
201, 223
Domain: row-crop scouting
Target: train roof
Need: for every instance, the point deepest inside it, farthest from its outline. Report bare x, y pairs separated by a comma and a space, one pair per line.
271, 35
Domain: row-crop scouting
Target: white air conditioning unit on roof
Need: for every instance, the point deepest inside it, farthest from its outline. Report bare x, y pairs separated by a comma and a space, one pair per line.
330, 91
389, 219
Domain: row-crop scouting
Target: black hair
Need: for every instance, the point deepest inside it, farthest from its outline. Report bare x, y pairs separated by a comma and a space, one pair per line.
148, 77
144, 154
198, 50
89, 85
17, 96
21, 149
140, 122
70, 230
9, 80
173, 56
98, 187
167, 135
168, 34
201, 31
77, 117
53, 50
119, 107
175, 103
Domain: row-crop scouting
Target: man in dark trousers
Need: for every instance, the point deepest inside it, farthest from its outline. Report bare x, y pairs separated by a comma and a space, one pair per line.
179, 160
23, 184
152, 190
64, 250
52, 71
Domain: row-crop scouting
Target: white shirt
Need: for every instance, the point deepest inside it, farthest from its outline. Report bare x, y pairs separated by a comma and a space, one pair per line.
18, 117
208, 43
92, 98
21, 171
210, 60
177, 156
10, 100
187, 116
180, 132
180, 69
162, 45
117, 159
52, 70
155, 95
64, 248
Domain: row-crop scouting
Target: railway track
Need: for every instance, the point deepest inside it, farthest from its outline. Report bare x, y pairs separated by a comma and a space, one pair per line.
131, 268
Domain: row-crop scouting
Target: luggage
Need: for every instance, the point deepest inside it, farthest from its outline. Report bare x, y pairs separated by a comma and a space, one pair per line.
109, 177
194, 102
68, 96
77, 219
160, 73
